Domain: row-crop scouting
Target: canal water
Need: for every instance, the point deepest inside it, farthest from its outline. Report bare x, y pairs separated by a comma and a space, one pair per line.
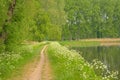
109, 55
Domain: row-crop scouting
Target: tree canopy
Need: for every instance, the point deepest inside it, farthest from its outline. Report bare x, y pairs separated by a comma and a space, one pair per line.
92, 19
39, 20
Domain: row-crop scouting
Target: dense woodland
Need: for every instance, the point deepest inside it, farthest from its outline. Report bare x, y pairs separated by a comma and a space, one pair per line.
39, 20
92, 19
26, 20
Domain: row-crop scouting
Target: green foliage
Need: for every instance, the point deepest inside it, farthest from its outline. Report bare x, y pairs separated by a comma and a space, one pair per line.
41, 20
18, 28
3, 12
80, 43
55, 10
91, 19
10, 61
69, 65
45, 30
3, 16
102, 70
2, 46
49, 20
30, 20
26, 20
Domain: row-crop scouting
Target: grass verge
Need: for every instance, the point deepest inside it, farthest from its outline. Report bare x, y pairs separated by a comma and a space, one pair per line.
11, 62
69, 65
80, 43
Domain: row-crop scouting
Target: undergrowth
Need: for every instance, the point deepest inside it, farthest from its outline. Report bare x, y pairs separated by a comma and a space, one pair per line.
79, 43
12, 61
69, 65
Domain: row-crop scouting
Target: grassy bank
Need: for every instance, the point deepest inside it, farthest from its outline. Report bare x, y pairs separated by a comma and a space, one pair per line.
92, 42
80, 43
69, 65
11, 62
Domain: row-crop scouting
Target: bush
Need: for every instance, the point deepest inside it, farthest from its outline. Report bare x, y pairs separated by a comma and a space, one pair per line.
102, 70
10, 61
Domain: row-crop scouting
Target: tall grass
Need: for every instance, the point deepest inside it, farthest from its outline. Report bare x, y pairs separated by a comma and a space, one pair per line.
11, 61
79, 43
69, 65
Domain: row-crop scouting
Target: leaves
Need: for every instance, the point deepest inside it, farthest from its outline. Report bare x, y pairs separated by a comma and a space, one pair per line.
91, 19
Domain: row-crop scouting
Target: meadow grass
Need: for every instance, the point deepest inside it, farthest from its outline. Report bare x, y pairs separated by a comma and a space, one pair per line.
70, 65
11, 62
79, 43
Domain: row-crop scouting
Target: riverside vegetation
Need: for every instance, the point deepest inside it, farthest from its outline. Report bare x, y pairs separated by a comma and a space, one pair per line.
13, 61
54, 20
70, 65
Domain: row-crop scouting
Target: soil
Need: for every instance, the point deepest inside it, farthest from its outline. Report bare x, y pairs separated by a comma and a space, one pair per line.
37, 69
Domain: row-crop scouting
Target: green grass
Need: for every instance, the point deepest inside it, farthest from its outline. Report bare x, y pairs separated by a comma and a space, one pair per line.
69, 65
79, 43
11, 62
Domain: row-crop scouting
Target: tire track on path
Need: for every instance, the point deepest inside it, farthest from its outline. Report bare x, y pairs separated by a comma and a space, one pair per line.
42, 70
37, 73
37, 69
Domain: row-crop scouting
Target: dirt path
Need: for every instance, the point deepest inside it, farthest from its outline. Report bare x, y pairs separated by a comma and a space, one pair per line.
38, 69
42, 70
37, 73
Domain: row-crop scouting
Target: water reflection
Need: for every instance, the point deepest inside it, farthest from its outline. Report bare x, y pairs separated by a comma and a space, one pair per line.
109, 55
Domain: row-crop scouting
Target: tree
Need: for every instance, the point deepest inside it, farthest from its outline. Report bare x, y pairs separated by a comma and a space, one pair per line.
92, 18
